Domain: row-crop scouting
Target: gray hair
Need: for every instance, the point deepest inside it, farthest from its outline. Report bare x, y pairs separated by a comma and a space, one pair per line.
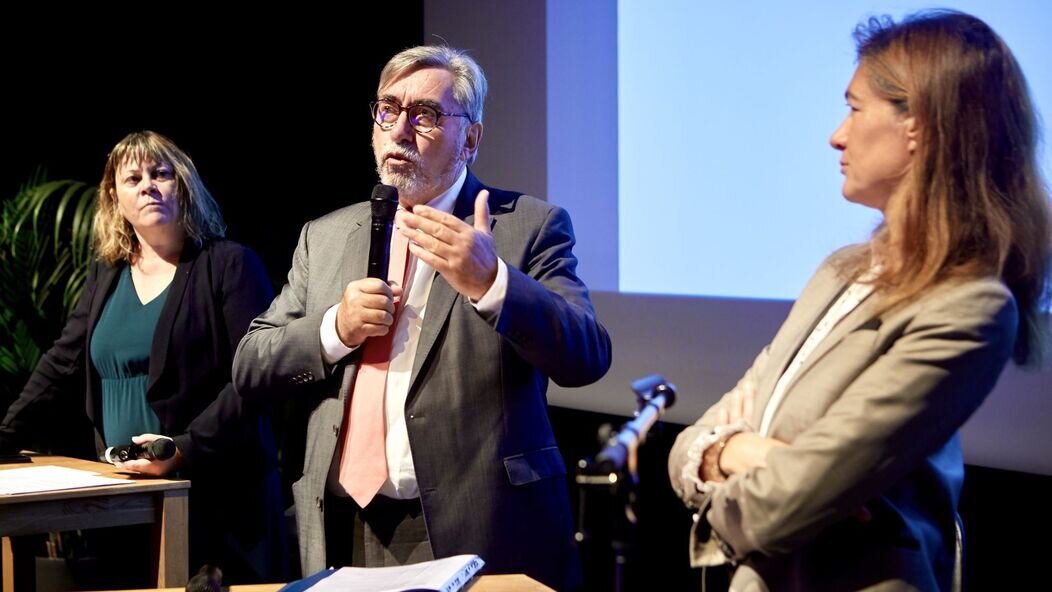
469, 83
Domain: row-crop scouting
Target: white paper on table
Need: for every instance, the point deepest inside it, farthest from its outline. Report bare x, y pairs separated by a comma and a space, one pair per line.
49, 478
448, 574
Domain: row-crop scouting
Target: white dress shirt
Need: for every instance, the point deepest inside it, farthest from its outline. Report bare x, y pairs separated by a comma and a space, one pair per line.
401, 475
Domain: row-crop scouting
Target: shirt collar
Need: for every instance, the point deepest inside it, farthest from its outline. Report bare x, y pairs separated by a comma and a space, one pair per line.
447, 200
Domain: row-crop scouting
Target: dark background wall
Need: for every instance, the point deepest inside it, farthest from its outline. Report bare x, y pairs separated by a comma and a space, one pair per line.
273, 109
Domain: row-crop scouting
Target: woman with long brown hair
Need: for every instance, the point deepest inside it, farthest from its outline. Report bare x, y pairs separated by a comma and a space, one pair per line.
834, 463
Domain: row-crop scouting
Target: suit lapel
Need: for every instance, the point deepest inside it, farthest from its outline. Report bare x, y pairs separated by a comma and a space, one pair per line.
864, 312
440, 300
820, 295
105, 280
439, 305
355, 262
162, 334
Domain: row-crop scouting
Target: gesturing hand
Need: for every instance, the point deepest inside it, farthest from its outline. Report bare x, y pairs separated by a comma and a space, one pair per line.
461, 252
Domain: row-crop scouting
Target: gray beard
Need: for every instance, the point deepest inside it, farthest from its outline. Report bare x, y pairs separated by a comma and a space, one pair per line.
415, 187
409, 183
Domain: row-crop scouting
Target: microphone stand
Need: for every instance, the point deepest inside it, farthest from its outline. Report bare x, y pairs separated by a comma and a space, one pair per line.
612, 477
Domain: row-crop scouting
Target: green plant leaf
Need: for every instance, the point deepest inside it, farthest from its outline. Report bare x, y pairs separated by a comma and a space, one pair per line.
45, 251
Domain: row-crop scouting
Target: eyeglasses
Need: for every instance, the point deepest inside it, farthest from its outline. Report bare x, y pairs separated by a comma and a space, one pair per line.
423, 118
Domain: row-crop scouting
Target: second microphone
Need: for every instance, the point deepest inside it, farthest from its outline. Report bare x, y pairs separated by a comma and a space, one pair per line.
159, 449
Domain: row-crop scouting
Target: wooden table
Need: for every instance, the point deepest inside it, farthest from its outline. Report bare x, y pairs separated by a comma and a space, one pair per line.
162, 502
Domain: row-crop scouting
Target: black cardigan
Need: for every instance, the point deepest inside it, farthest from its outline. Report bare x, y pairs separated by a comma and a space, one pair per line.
228, 444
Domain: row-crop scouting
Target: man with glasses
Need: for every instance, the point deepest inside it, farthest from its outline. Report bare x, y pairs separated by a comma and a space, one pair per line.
429, 433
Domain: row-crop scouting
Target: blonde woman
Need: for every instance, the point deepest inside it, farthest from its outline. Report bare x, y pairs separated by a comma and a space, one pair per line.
149, 349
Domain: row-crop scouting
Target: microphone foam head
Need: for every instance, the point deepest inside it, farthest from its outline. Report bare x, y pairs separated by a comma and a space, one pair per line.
162, 448
384, 201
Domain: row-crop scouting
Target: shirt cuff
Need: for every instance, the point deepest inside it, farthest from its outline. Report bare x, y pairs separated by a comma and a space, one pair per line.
690, 479
332, 349
493, 300
705, 547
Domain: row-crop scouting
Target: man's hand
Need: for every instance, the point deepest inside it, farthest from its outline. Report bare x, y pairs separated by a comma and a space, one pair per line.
157, 468
462, 253
366, 310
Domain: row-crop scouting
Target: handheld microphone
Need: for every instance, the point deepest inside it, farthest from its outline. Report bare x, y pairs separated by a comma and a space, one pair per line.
655, 395
384, 202
159, 449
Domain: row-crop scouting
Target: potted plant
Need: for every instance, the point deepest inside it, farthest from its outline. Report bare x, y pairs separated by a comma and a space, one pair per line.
45, 250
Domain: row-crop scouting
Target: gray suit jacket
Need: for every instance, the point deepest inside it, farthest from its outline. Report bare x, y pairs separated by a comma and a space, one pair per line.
871, 420
491, 478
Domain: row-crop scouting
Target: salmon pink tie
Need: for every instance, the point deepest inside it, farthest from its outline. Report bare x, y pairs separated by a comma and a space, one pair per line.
363, 465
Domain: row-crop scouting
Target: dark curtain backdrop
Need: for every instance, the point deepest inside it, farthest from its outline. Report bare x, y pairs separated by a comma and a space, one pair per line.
272, 106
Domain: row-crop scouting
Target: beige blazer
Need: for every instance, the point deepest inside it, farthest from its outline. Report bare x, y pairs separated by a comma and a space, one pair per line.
871, 420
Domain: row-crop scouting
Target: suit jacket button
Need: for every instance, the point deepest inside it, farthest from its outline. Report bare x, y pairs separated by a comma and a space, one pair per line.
335, 429
320, 503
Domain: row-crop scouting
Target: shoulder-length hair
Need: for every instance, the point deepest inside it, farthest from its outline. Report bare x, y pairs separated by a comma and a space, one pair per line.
973, 203
115, 239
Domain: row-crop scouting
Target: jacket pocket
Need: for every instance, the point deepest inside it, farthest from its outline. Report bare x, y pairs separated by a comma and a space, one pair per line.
535, 465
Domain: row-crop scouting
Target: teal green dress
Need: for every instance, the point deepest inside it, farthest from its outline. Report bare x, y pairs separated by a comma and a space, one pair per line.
120, 351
